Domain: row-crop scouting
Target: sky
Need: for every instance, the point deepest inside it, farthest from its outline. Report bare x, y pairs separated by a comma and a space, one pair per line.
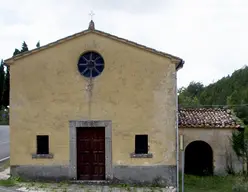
210, 36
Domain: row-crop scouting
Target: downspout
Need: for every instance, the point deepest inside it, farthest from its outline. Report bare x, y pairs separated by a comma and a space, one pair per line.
179, 66
177, 138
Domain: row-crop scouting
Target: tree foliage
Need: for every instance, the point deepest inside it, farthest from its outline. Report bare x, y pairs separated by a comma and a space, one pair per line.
38, 44
188, 97
239, 141
5, 98
2, 82
16, 52
238, 138
5, 78
229, 91
24, 47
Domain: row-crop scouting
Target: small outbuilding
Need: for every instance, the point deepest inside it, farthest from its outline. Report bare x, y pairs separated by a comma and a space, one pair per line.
207, 133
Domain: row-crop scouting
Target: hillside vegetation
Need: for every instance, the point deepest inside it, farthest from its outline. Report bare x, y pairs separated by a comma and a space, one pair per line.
230, 91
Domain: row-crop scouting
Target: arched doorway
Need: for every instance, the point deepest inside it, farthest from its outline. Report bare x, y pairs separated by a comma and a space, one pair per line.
199, 158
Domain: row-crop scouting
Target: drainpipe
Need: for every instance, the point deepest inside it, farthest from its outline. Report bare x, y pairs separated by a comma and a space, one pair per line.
177, 139
179, 66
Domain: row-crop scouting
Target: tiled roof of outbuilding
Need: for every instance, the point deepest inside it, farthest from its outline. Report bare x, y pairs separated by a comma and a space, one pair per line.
207, 117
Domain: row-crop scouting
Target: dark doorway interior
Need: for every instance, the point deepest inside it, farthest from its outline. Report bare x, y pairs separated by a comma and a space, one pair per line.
199, 159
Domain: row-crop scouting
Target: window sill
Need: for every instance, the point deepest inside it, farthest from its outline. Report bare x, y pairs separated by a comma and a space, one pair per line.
42, 156
147, 155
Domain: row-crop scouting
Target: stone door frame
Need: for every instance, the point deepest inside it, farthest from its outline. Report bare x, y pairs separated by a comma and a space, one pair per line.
74, 124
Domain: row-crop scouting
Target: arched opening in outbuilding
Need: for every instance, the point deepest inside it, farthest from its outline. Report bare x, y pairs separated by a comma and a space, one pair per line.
198, 158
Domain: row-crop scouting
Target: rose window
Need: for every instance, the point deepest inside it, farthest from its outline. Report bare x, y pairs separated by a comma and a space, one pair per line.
90, 64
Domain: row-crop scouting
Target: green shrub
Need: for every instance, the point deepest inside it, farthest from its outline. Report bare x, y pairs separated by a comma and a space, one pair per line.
7, 183
4, 116
240, 186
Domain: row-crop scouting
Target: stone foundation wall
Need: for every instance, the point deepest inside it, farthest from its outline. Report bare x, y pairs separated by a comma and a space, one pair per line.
161, 174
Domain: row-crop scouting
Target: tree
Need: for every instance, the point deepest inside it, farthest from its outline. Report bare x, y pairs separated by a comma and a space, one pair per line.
194, 89
2, 82
231, 91
24, 47
6, 90
188, 97
187, 101
239, 142
6, 86
16, 52
38, 44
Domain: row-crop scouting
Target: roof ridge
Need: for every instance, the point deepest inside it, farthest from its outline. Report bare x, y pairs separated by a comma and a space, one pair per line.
178, 60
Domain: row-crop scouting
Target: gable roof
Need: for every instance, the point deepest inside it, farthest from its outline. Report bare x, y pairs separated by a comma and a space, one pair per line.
179, 62
207, 117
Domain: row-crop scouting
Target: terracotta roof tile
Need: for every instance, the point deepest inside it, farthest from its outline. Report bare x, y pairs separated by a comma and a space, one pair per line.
207, 117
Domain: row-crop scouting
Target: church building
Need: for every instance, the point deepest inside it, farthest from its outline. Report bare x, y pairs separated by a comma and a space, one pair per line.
94, 106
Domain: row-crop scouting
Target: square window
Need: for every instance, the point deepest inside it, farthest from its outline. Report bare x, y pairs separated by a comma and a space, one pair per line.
141, 144
42, 144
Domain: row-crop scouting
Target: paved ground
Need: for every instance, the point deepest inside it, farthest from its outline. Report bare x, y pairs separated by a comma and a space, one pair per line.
83, 188
4, 141
8, 189
69, 187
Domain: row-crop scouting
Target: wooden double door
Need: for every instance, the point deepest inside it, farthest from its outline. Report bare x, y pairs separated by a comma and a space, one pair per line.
91, 153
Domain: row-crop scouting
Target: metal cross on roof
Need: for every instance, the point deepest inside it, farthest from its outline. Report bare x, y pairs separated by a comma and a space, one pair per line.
91, 14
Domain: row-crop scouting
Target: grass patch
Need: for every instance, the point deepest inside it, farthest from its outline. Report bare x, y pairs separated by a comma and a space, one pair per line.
8, 183
192, 184
4, 165
211, 183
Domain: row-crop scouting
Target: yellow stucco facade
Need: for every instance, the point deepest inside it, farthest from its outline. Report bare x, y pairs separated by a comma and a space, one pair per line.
136, 92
